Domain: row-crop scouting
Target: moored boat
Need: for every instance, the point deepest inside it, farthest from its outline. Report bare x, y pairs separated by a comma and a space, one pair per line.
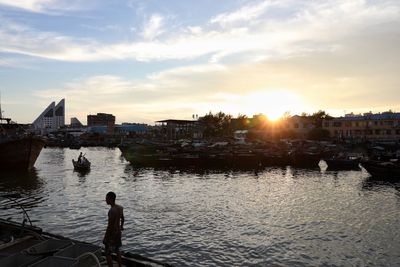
343, 163
305, 159
384, 169
20, 152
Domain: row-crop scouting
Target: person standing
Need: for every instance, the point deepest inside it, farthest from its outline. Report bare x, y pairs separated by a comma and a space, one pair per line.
112, 237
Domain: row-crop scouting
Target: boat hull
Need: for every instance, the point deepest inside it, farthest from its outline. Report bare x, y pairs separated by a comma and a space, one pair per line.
21, 153
81, 166
382, 169
342, 164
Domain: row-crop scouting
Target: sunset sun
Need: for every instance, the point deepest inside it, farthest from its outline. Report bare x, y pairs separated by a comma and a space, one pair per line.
274, 103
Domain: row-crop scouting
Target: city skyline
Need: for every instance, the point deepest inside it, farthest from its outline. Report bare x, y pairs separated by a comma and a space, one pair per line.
149, 60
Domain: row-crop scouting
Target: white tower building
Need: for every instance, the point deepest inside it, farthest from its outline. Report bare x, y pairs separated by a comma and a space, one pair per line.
51, 119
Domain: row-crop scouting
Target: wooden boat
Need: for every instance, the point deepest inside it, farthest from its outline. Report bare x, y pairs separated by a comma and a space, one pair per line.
305, 159
84, 165
383, 169
19, 150
20, 153
343, 163
27, 245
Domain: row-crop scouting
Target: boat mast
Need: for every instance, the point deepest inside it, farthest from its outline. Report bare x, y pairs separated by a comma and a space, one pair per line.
1, 113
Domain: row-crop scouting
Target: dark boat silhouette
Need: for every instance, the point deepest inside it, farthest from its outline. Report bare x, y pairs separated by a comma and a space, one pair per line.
83, 165
19, 150
343, 162
383, 169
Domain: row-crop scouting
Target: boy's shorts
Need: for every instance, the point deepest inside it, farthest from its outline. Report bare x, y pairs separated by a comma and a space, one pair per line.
111, 249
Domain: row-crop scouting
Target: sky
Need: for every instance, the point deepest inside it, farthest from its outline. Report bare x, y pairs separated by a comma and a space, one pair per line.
149, 60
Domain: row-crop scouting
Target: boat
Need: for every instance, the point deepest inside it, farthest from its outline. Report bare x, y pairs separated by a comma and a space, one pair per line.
23, 244
83, 165
343, 163
383, 169
19, 150
301, 159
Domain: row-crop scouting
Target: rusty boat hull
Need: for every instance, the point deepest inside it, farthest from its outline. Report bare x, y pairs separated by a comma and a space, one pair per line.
20, 153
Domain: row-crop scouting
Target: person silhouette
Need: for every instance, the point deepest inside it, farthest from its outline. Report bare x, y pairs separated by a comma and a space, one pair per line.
112, 236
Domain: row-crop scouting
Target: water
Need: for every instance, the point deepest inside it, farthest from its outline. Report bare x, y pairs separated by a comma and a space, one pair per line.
273, 217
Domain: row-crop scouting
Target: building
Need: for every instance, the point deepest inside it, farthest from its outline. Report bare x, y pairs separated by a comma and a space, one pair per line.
382, 126
75, 122
102, 119
294, 127
51, 119
178, 129
300, 126
132, 128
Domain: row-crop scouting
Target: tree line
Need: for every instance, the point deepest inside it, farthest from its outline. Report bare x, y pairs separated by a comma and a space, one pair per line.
223, 125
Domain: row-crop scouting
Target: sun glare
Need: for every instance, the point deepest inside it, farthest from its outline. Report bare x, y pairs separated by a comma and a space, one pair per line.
274, 104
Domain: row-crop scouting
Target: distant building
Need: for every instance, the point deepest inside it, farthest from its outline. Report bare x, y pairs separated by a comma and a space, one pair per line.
102, 119
299, 125
128, 128
75, 122
369, 126
179, 129
51, 119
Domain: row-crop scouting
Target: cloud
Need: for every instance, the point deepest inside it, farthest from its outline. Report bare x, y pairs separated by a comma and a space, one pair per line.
311, 26
31, 5
246, 13
153, 27
324, 80
46, 6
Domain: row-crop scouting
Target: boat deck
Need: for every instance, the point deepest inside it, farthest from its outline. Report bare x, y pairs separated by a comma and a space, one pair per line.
22, 245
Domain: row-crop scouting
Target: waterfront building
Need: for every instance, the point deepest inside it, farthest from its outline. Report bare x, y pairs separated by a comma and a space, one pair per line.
102, 119
299, 126
178, 129
51, 119
380, 127
132, 128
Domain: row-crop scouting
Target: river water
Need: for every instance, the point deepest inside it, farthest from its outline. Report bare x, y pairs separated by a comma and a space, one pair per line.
272, 217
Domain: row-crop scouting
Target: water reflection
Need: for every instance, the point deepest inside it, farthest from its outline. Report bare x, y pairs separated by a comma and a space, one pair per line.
373, 183
82, 175
132, 170
25, 181
301, 172
27, 188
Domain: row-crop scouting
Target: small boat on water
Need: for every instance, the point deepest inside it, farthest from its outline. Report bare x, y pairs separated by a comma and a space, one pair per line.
81, 165
22, 244
383, 169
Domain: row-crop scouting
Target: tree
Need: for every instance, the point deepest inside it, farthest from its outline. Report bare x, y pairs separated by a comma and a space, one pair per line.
240, 123
318, 117
216, 125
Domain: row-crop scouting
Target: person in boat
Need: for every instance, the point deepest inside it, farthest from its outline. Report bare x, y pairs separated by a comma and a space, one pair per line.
80, 158
112, 237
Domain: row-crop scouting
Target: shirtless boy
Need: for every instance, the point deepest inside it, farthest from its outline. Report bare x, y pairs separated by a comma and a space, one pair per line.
112, 237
